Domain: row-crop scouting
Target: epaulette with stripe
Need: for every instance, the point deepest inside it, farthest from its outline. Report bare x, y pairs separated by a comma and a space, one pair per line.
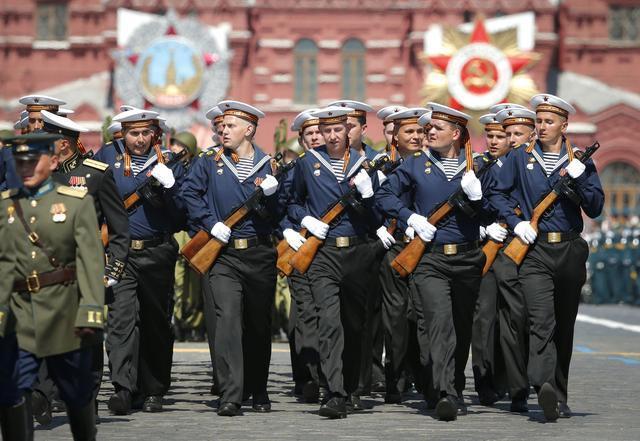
73, 192
102, 166
9, 193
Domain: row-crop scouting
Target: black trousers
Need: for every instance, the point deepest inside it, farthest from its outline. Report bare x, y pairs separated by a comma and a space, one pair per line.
371, 368
304, 314
209, 321
399, 318
486, 354
552, 276
447, 286
139, 339
47, 387
339, 284
242, 283
514, 329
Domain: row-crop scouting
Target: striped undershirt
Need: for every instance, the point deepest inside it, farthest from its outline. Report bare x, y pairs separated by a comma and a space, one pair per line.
244, 167
450, 166
550, 161
337, 166
137, 163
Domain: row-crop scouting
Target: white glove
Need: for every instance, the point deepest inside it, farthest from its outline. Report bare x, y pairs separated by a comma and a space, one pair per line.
384, 236
525, 231
293, 238
362, 181
410, 233
110, 282
381, 177
483, 233
221, 232
422, 227
575, 168
316, 227
164, 175
471, 186
497, 232
269, 185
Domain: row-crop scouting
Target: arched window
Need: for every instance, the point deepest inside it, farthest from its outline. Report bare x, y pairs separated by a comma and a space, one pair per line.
305, 67
353, 70
621, 183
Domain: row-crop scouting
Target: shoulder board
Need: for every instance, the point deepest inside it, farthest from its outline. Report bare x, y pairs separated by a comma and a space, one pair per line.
418, 153
210, 152
302, 154
9, 193
477, 155
95, 164
517, 146
73, 192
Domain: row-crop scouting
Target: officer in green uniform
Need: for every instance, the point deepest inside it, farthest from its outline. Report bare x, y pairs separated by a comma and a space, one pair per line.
51, 269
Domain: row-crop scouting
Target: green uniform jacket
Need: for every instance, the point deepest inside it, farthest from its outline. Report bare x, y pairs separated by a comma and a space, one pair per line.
45, 320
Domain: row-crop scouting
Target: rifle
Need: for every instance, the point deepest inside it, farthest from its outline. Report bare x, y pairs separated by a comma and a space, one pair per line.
491, 248
301, 259
145, 190
517, 249
203, 249
407, 260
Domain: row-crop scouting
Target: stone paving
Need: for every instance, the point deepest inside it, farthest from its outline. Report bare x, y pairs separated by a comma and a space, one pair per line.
604, 389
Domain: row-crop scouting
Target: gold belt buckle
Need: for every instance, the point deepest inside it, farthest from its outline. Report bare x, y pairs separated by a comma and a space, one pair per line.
554, 237
137, 244
33, 282
240, 244
450, 249
342, 242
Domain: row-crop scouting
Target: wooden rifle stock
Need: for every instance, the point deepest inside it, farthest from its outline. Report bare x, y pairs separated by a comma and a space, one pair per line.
407, 260
302, 258
104, 235
130, 200
517, 249
285, 253
490, 250
203, 250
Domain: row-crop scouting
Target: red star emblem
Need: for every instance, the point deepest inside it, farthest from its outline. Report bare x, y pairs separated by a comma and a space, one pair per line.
480, 66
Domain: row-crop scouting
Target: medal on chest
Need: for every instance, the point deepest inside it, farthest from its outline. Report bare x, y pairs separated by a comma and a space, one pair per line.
58, 212
78, 182
10, 211
530, 164
316, 171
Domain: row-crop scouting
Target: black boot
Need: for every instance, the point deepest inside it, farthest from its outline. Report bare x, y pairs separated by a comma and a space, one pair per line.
17, 421
83, 422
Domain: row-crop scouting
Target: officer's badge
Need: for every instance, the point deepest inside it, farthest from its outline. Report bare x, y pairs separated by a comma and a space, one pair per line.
118, 157
530, 166
427, 170
316, 165
220, 164
220, 171
427, 164
10, 211
116, 165
58, 212
532, 160
316, 172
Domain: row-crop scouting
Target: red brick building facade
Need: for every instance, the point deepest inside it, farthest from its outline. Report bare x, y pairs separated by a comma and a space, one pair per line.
288, 55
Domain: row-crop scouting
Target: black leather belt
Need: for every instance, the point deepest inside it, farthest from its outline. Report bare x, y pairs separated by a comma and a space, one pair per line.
451, 249
249, 242
35, 281
557, 236
141, 244
344, 241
